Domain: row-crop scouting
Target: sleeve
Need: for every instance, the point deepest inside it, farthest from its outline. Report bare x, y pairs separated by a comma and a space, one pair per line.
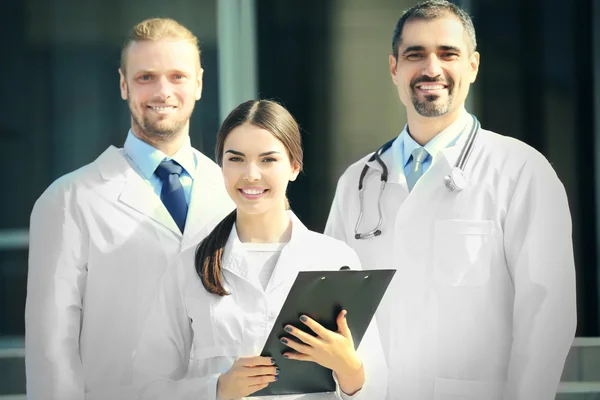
335, 226
160, 362
539, 254
370, 351
57, 273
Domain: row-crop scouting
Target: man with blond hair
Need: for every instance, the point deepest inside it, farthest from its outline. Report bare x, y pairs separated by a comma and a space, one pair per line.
102, 236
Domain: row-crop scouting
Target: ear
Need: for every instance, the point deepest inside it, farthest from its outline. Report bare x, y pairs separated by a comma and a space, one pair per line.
295, 171
474, 64
393, 68
199, 84
122, 84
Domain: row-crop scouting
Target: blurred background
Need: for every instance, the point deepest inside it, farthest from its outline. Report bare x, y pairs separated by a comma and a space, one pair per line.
327, 62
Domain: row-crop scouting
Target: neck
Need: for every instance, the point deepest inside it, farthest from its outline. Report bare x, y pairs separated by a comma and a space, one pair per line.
423, 129
168, 145
270, 227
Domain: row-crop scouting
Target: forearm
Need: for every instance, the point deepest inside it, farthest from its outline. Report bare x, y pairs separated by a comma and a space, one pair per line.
351, 383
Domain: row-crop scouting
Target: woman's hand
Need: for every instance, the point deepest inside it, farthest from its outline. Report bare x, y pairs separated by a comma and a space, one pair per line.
246, 376
333, 350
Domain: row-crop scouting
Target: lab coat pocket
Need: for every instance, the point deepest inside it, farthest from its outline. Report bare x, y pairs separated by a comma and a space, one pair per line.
462, 252
460, 389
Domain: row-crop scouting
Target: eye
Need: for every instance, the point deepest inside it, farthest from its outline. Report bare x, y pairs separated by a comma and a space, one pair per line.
449, 56
179, 77
235, 159
413, 56
145, 78
269, 159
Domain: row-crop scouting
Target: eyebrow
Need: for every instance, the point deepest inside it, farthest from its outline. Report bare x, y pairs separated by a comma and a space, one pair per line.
154, 71
421, 48
239, 153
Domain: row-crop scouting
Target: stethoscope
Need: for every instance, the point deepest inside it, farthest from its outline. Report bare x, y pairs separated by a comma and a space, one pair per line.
455, 181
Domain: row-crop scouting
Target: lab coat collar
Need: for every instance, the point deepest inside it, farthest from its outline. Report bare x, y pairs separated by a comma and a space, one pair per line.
138, 194
393, 156
147, 158
235, 256
135, 192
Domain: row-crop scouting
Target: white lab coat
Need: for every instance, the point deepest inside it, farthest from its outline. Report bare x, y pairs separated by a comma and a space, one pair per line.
189, 324
482, 305
100, 240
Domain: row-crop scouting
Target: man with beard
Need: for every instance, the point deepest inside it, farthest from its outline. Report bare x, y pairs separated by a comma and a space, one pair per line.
482, 305
101, 237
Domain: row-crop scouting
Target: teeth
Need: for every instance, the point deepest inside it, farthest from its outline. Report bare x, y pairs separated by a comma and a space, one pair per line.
165, 108
432, 87
252, 191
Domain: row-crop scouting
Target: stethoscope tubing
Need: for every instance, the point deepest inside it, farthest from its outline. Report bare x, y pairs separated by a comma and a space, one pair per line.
449, 180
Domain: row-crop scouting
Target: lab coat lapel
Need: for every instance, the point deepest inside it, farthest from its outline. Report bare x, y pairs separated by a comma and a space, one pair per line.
136, 193
235, 260
293, 256
209, 204
430, 190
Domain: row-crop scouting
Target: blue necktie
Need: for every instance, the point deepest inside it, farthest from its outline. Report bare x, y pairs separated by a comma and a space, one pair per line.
419, 155
172, 194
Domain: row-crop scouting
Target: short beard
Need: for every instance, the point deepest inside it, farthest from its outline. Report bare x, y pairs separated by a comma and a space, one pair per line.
154, 130
429, 108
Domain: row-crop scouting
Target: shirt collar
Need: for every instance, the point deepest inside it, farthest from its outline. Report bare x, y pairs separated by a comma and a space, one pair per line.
147, 158
442, 140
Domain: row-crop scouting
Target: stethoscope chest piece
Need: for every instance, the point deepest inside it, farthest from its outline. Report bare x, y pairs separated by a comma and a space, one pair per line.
456, 180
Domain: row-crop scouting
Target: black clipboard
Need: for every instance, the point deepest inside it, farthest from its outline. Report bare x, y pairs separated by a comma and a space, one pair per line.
322, 295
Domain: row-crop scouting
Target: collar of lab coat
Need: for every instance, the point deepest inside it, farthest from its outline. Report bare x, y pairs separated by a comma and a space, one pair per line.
444, 158
132, 190
235, 257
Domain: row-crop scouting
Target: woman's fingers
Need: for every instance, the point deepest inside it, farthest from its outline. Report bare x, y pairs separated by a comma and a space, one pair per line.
298, 356
259, 371
299, 347
342, 323
306, 338
254, 361
315, 326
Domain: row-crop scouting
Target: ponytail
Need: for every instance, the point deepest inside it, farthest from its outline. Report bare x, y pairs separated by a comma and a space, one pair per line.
209, 256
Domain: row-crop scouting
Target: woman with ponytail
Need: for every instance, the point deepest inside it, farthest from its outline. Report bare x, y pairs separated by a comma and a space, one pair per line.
217, 304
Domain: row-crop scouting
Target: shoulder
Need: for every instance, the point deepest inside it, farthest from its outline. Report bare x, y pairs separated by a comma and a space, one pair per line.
519, 168
69, 184
514, 154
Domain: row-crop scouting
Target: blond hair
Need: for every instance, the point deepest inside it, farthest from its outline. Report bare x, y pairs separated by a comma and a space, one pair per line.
154, 29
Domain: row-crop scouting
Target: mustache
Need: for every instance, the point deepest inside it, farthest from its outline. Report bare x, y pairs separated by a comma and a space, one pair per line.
427, 79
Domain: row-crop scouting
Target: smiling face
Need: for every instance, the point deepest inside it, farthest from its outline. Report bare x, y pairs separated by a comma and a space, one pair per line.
162, 82
435, 67
256, 169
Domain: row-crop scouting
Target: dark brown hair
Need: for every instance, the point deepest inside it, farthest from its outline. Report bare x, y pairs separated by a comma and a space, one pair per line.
264, 114
432, 9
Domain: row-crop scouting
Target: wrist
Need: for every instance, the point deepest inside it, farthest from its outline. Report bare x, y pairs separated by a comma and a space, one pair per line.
219, 394
351, 369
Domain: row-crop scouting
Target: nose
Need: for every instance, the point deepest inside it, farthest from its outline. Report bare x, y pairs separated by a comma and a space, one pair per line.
252, 172
164, 89
433, 66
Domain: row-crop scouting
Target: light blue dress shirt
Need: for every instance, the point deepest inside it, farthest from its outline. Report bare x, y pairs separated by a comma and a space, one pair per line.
145, 159
446, 138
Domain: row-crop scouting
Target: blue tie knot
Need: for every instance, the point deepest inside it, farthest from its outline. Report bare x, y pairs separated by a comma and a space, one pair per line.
168, 167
